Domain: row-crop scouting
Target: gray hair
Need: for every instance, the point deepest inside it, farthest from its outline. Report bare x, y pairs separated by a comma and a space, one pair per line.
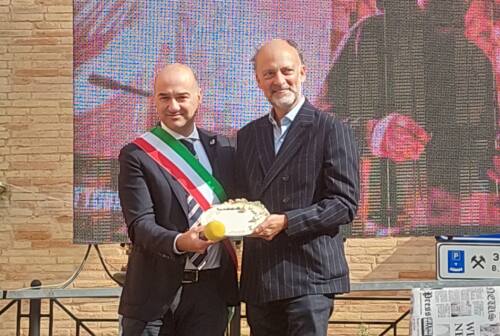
291, 43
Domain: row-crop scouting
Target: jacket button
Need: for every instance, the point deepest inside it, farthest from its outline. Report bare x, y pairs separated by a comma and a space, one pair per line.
285, 178
286, 199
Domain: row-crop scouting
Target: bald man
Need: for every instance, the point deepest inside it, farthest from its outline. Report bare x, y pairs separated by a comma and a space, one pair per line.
302, 164
176, 282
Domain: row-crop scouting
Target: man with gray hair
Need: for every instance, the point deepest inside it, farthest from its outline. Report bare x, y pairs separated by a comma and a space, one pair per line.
302, 164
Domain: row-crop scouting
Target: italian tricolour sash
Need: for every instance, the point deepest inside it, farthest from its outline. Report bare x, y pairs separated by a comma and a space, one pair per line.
180, 163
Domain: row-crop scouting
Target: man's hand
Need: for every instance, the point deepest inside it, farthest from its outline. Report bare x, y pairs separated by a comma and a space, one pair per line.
269, 228
190, 241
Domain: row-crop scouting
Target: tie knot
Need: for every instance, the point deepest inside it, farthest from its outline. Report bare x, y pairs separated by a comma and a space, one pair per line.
189, 145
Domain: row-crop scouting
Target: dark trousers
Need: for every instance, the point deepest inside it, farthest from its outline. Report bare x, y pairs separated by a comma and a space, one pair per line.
300, 316
201, 312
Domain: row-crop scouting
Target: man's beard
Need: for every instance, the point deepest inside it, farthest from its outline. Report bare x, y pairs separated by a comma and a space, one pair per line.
284, 102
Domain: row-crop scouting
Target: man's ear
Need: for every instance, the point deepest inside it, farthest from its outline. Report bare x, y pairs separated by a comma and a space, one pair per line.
257, 79
302, 72
200, 96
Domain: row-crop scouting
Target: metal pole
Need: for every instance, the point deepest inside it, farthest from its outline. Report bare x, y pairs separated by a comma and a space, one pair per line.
18, 318
35, 312
51, 317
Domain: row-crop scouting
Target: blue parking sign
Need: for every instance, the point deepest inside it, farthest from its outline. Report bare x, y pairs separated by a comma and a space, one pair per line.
456, 261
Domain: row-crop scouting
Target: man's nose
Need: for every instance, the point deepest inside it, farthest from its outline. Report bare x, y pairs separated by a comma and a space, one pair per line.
279, 79
173, 105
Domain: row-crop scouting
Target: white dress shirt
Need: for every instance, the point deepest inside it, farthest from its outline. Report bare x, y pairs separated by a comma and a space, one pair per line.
280, 130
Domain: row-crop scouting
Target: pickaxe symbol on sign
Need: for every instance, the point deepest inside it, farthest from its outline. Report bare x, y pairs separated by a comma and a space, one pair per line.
477, 261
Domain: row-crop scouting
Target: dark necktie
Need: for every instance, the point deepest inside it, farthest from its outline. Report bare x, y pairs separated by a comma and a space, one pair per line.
189, 145
194, 212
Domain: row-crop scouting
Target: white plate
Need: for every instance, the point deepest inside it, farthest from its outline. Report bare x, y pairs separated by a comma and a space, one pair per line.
240, 217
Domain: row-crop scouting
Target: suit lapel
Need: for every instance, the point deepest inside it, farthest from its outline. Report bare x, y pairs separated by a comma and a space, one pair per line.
293, 141
177, 189
265, 144
209, 143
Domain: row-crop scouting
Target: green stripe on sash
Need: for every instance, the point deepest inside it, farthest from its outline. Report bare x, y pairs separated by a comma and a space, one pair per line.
183, 152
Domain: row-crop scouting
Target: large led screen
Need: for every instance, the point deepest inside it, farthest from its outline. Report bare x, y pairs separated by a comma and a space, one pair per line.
415, 79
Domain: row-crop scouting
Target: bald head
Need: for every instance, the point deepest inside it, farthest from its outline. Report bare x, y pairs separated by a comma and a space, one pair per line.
278, 43
177, 97
176, 71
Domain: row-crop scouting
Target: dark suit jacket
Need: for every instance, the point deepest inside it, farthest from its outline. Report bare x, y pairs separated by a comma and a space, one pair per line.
155, 208
314, 181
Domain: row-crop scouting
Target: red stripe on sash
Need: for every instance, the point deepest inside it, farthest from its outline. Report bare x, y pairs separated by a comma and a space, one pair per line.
169, 166
173, 170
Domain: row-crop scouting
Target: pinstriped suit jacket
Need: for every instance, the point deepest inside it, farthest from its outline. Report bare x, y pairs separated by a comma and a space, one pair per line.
314, 180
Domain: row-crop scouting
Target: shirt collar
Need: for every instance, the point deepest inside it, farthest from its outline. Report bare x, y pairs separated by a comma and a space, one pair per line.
193, 136
290, 116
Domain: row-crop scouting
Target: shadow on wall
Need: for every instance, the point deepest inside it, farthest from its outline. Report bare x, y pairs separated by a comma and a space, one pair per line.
410, 258
383, 259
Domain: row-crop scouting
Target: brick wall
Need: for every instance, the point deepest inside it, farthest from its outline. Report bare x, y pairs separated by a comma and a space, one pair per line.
36, 162
36, 143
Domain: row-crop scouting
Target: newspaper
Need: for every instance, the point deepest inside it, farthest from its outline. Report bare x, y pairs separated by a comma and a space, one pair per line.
463, 311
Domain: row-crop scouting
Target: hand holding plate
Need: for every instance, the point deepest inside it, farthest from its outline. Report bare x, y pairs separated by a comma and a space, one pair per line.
190, 241
238, 217
271, 227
